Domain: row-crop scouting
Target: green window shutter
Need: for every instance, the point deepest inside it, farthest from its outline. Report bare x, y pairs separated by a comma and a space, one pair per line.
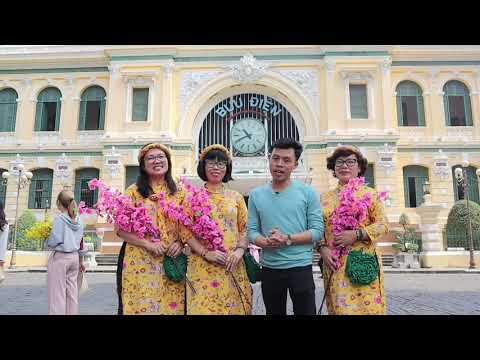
131, 174
447, 109
421, 111
419, 181
57, 115
468, 110
101, 124
369, 176
358, 102
83, 114
39, 116
399, 111
473, 185
8, 109
45, 176
140, 105
406, 193
81, 191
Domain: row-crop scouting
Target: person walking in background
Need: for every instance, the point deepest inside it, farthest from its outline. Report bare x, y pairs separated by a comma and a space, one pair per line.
285, 220
3, 241
65, 260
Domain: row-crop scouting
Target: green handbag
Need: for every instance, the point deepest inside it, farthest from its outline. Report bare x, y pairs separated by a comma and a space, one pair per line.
252, 266
362, 268
175, 269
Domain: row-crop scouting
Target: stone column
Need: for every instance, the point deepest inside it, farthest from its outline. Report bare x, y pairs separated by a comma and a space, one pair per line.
386, 93
166, 124
432, 239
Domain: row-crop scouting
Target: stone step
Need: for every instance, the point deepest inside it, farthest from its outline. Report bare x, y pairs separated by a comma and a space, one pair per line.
106, 259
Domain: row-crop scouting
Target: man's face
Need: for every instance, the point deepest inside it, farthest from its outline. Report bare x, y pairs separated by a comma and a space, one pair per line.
282, 163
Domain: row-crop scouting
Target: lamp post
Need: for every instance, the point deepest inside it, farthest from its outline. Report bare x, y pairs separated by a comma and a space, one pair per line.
23, 178
461, 175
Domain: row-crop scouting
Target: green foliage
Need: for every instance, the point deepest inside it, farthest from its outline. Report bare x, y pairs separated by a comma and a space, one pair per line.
25, 223
458, 217
408, 238
39, 232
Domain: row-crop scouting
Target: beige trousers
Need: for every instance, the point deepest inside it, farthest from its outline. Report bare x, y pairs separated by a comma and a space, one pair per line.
62, 283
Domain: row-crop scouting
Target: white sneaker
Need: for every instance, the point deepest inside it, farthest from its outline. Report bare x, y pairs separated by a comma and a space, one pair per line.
2, 275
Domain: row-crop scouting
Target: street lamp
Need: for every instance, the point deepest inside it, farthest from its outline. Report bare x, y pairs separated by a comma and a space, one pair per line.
461, 175
23, 178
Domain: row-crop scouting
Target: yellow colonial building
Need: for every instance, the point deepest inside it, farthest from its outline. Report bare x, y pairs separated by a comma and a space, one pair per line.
72, 113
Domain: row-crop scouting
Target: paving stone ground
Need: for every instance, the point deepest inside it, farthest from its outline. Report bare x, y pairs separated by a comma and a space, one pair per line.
25, 293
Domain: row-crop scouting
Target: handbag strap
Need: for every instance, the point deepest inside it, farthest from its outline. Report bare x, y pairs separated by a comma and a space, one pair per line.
326, 291
379, 278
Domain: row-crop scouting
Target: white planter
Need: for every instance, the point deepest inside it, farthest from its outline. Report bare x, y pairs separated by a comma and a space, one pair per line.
406, 260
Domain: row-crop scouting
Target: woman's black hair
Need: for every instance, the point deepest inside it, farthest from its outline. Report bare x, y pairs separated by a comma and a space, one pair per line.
3, 220
219, 156
143, 183
344, 152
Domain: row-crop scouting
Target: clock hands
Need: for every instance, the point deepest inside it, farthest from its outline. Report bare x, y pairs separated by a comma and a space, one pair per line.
247, 134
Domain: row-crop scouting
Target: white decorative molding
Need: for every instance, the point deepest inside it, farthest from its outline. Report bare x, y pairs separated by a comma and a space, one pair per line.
307, 81
89, 136
386, 158
460, 133
256, 164
114, 70
140, 80
113, 162
330, 65
416, 158
191, 82
356, 77
63, 169
386, 64
248, 69
440, 166
7, 138
46, 138
87, 160
169, 67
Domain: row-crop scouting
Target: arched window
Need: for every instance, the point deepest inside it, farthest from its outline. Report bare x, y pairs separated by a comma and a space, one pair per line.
40, 194
82, 191
92, 109
410, 109
369, 176
456, 100
414, 177
247, 124
458, 191
3, 189
131, 174
8, 109
47, 117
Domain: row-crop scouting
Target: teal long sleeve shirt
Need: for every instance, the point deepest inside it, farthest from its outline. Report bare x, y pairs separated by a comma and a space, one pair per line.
293, 210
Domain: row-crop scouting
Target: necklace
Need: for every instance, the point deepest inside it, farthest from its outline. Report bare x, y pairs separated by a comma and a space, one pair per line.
215, 189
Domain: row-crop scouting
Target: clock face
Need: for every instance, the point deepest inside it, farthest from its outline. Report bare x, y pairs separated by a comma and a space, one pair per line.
248, 136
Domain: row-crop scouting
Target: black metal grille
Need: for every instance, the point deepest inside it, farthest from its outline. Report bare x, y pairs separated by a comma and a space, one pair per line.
278, 121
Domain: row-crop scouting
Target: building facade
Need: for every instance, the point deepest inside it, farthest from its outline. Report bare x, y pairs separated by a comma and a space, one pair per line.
72, 113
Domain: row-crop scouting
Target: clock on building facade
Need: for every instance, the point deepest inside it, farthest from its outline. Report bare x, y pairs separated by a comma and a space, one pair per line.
247, 124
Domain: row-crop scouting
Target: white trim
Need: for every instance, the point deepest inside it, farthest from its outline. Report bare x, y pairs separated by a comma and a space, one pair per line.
138, 82
111, 243
359, 78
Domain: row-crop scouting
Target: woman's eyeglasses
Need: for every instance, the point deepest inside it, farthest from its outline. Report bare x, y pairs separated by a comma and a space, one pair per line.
215, 164
152, 158
349, 162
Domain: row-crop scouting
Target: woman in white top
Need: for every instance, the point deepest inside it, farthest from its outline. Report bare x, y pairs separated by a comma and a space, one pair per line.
3, 241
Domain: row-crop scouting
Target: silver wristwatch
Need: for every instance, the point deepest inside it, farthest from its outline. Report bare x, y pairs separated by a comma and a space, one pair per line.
289, 240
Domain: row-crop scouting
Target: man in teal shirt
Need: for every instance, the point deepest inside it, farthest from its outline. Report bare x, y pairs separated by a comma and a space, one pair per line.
285, 219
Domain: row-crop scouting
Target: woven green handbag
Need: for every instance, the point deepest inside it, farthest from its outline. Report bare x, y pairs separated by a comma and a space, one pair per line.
175, 270
252, 266
362, 268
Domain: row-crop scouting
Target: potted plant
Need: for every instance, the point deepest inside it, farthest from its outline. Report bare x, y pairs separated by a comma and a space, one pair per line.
408, 256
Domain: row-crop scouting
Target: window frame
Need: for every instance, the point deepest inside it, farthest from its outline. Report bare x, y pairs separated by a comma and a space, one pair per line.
139, 83
419, 100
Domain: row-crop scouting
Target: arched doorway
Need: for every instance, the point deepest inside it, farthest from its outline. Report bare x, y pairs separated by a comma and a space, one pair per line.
247, 123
